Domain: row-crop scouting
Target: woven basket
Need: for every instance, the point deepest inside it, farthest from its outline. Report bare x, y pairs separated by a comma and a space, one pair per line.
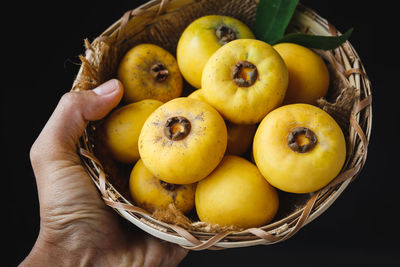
162, 22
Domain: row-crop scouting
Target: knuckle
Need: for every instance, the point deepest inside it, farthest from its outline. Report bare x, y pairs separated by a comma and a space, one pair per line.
69, 99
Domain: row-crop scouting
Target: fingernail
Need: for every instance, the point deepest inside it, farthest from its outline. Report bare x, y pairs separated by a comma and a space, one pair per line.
107, 87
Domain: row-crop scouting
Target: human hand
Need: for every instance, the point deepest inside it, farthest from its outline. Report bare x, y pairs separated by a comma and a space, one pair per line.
76, 227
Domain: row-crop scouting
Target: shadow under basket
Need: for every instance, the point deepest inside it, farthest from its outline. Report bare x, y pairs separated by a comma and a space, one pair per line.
161, 22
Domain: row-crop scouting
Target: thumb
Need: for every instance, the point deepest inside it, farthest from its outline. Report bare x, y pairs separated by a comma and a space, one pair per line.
68, 121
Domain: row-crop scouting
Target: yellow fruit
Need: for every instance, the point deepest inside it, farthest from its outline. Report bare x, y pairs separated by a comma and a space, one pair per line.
120, 131
183, 141
236, 193
149, 71
244, 80
151, 193
308, 74
201, 39
240, 136
197, 94
299, 148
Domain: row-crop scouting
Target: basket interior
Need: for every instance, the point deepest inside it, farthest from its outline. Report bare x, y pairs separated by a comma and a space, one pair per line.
164, 30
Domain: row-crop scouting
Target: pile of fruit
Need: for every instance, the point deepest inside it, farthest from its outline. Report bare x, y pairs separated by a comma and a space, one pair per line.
250, 128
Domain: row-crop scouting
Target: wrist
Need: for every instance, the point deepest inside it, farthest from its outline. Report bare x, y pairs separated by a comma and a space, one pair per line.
52, 252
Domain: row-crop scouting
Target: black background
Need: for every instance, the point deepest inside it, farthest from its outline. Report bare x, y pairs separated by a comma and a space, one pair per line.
40, 62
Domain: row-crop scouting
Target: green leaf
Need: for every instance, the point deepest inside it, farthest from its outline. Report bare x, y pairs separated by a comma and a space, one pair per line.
272, 18
316, 41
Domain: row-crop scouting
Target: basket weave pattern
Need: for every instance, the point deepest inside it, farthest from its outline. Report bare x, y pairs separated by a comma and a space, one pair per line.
161, 23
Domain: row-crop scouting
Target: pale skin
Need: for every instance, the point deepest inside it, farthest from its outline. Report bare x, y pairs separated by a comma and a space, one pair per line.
76, 227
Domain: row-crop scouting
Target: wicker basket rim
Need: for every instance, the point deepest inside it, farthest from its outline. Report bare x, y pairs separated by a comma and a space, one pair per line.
349, 64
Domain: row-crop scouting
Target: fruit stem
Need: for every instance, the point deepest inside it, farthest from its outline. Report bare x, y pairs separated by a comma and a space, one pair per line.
159, 72
244, 73
301, 139
177, 128
225, 34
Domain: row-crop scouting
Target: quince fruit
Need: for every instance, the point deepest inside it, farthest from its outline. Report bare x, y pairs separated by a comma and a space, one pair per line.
149, 71
236, 193
244, 80
299, 148
183, 141
201, 39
